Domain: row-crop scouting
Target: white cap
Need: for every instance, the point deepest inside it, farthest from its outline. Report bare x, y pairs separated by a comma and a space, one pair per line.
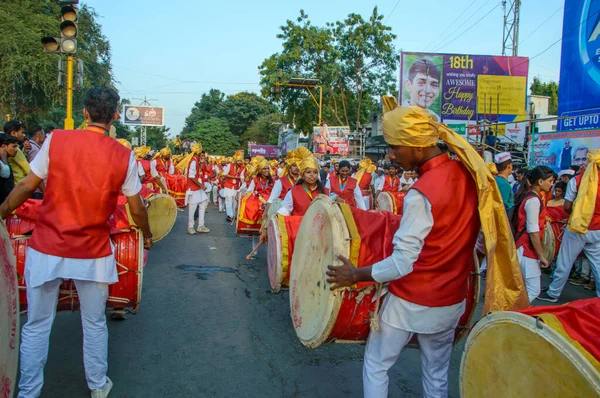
566, 173
502, 157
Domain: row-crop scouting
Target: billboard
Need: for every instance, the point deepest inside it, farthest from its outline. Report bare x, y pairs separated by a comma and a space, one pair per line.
562, 149
331, 139
459, 89
579, 92
141, 115
268, 151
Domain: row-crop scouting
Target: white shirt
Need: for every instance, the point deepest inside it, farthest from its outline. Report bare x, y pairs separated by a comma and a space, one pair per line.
154, 172
195, 196
276, 192
229, 192
381, 182
416, 223
288, 203
4, 170
360, 203
41, 268
140, 169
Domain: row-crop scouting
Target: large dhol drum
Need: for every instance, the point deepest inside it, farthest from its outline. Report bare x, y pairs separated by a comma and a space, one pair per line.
250, 214
391, 201
162, 214
327, 230
9, 317
549, 243
281, 235
271, 212
125, 294
537, 352
177, 186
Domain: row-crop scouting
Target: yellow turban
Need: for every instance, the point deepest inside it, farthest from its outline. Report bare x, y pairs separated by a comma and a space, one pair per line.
183, 164
492, 167
196, 148
125, 143
307, 160
238, 155
165, 152
585, 202
365, 166
414, 127
141, 151
259, 163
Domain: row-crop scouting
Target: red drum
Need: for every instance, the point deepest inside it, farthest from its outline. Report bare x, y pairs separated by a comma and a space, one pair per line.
177, 186
126, 293
365, 237
9, 317
281, 235
250, 214
391, 201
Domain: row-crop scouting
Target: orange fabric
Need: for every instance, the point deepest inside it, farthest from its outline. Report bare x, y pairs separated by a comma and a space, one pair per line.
398, 201
192, 186
29, 210
579, 319
78, 201
292, 225
251, 208
365, 182
302, 200
287, 183
558, 219
234, 170
441, 274
348, 193
147, 171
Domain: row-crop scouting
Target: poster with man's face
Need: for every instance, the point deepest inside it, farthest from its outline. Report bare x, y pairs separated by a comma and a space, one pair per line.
422, 82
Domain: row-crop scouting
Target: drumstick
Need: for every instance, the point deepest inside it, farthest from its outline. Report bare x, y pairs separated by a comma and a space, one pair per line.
249, 256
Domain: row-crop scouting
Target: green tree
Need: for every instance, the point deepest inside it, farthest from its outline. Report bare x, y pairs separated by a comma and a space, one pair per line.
207, 107
156, 137
28, 76
215, 136
549, 89
264, 130
242, 109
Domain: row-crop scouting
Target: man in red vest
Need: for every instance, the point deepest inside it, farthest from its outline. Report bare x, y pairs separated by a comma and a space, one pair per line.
430, 266
85, 172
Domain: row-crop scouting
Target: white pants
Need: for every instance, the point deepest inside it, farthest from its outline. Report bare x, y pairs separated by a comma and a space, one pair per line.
230, 206
201, 212
572, 244
221, 204
215, 194
383, 349
35, 335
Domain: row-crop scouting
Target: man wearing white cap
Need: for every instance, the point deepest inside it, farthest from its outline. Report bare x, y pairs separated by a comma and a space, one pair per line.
566, 175
505, 168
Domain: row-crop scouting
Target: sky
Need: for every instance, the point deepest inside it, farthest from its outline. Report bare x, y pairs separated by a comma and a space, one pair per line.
172, 52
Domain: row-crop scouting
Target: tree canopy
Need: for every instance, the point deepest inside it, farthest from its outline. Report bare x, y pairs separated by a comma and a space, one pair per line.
28, 76
549, 89
215, 136
354, 60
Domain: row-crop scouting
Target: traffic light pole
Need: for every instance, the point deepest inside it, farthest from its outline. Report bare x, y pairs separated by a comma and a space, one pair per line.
69, 122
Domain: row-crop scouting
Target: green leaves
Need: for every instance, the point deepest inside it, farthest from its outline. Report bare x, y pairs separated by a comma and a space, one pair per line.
215, 136
549, 89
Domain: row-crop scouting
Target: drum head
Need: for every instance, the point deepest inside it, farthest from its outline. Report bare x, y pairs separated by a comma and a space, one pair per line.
274, 254
274, 208
162, 214
385, 202
509, 354
549, 242
9, 316
322, 236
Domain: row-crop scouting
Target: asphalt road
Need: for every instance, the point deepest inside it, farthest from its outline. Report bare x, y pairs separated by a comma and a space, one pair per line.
219, 333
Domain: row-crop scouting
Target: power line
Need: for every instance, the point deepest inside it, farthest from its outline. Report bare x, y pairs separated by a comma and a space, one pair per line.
542, 24
468, 29
390, 14
180, 80
452, 23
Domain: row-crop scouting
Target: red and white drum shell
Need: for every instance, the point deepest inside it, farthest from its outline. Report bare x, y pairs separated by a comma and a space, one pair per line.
281, 235
177, 186
250, 214
391, 201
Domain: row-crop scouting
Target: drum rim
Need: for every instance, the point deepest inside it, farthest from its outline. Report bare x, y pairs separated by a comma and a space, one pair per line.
549, 229
12, 360
140, 240
273, 225
530, 323
335, 299
174, 220
387, 197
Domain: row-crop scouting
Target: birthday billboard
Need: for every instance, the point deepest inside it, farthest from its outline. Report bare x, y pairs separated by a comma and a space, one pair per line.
560, 150
579, 91
331, 140
459, 89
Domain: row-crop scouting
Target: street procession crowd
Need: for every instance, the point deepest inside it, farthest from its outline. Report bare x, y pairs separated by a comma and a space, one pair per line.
447, 213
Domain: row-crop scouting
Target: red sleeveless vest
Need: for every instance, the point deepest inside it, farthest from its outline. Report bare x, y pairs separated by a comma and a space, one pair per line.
348, 193
85, 176
287, 183
234, 170
302, 200
391, 184
192, 186
524, 240
147, 171
595, 222
441, 273
262, 186
163, 166
365, 181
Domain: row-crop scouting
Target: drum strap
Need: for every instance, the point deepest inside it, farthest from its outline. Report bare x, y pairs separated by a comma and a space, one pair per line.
375, 315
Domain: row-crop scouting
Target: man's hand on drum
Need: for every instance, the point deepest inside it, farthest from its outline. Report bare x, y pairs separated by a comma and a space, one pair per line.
347, 274
148, 242
544, 263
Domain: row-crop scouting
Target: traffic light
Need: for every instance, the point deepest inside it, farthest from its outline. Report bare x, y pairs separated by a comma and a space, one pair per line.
62, 70
79, 75
67, 42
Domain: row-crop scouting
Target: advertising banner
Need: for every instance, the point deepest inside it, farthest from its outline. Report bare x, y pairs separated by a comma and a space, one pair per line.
579, 93
460, 89
268, 151
140, 115
331, 140
563, 149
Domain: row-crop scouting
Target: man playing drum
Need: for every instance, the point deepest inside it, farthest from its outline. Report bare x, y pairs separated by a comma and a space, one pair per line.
433, 257
234, 175
288, 178
390, 182
86, 170
196, 198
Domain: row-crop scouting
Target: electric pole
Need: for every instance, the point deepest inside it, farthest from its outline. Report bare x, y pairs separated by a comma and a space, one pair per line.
510, 37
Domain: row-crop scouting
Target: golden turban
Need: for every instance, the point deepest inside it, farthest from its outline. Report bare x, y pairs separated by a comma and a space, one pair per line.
415, 127
125, 143
229, 159
250, 171
238, 155
365, 166
183, 164
492, 167
292, 157
259, 163
585, 202
165, 152
307, 160
141, 151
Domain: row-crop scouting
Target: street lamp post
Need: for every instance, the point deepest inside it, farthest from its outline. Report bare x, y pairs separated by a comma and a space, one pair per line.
306, 84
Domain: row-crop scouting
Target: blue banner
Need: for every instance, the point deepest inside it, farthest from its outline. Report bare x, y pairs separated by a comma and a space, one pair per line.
579, 92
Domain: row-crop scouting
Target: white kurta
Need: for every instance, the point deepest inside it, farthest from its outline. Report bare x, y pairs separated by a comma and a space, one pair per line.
229, 192
195, 196
287, 207
276, 192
